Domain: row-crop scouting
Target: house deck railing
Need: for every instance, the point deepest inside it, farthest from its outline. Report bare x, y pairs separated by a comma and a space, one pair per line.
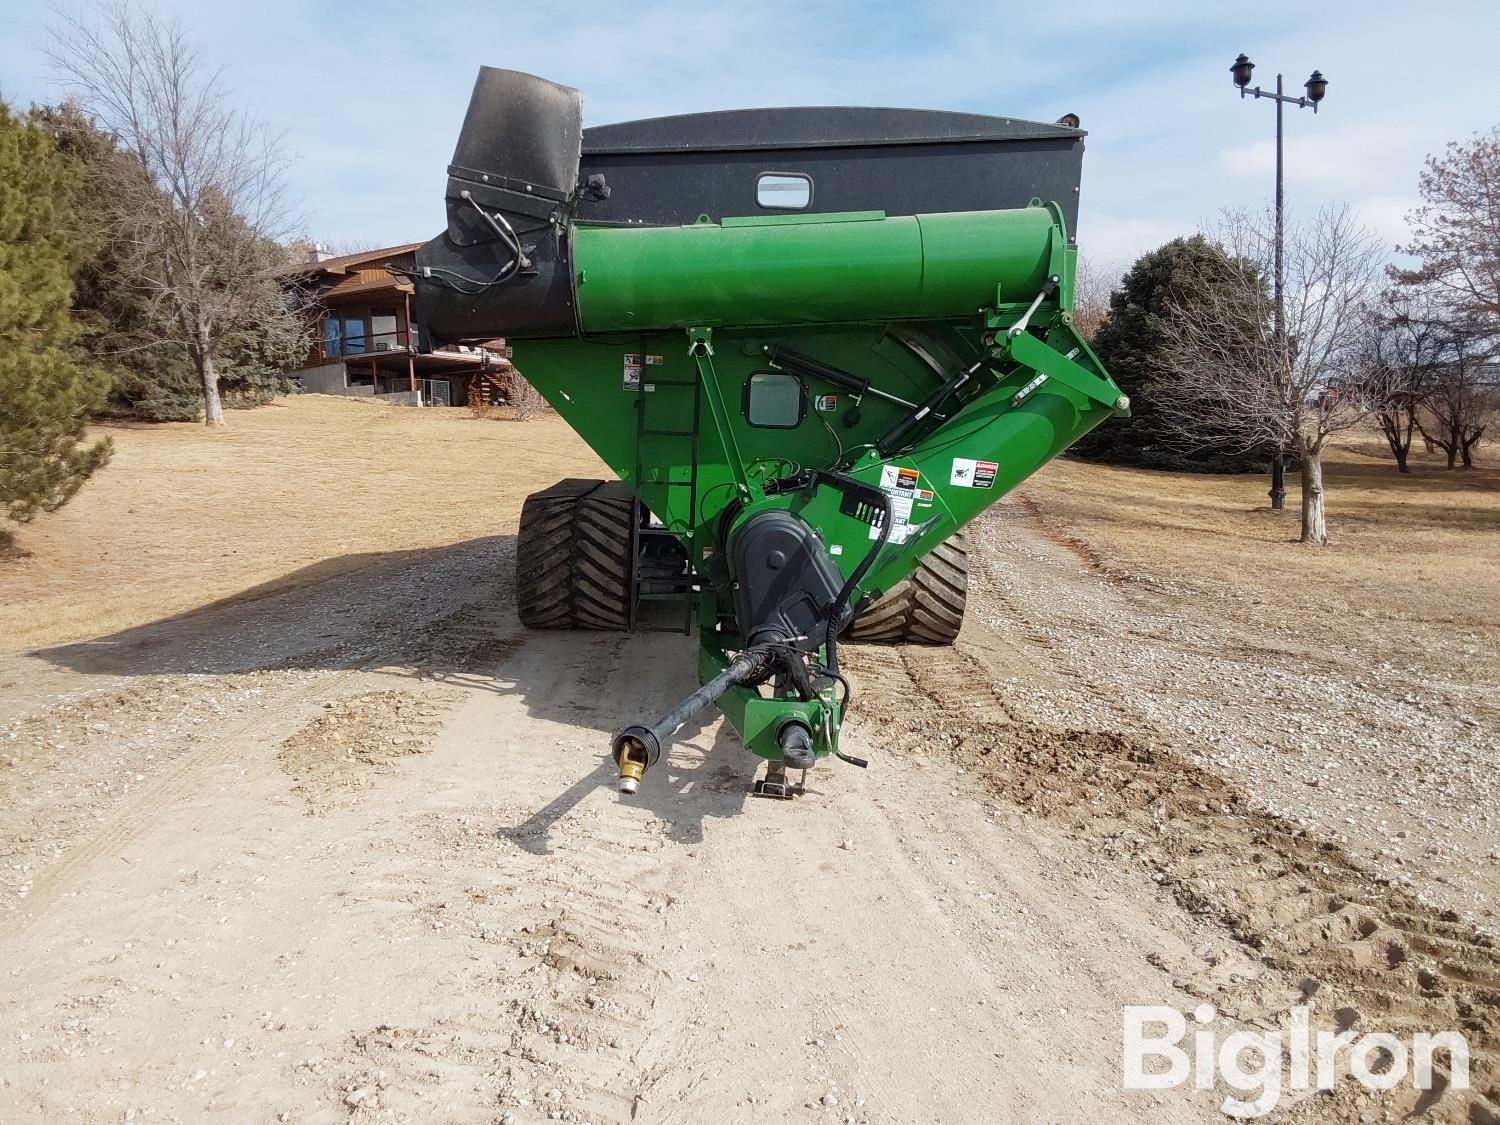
327, 350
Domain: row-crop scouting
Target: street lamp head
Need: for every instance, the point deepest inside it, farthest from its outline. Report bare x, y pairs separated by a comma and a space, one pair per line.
1316, 87
1241, 71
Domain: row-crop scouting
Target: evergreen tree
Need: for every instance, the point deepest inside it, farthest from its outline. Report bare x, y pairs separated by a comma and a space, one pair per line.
151, 377
1132, 343
47, 388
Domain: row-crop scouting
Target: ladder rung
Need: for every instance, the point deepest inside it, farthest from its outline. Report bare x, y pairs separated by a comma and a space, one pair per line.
673, 383
671, 433
663, 531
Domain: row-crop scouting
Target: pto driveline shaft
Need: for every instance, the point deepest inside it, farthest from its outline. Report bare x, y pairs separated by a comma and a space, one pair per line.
637, 748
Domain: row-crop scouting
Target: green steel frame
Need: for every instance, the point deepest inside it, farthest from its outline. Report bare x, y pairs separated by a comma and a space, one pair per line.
677, 320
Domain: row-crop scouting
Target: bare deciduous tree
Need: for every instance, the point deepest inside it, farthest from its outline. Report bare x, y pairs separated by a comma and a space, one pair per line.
1092, 285
1456, 239
1456, 231
1459, 403
199, 216
1229, 373
1407, 343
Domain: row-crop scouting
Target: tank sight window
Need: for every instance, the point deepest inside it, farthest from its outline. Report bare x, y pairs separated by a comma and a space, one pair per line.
783, 191
774, 399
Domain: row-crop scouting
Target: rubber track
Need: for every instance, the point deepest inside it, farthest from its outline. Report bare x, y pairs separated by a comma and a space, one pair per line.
926, 608
573, 557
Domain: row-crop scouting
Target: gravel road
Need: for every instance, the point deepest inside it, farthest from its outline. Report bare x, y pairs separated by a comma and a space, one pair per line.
349, 852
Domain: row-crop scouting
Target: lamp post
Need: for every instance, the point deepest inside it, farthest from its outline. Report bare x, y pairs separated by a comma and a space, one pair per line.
1316, 86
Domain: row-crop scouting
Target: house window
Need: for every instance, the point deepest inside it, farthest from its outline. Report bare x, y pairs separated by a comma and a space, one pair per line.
383, 336
783, 191
354, 334
331, 349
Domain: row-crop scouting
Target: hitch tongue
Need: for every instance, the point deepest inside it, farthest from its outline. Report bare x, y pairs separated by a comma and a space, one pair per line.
796, 746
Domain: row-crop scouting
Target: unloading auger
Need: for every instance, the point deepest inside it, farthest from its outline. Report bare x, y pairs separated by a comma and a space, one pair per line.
800, 405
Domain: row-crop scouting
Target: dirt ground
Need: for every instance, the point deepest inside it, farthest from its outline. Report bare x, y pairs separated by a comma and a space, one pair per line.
298, 824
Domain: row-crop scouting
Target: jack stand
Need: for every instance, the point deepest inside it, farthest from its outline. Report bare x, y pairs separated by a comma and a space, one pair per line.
775, 784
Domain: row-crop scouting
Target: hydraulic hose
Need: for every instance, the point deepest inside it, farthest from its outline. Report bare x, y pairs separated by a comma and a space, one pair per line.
840, 603
859, 499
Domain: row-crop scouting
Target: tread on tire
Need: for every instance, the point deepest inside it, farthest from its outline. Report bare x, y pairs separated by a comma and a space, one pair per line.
926, 608
573, 556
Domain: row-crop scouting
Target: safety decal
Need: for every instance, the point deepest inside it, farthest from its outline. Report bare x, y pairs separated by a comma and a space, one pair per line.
633, 370
899, 482
898, 478
900, 532
968, 473
826, 403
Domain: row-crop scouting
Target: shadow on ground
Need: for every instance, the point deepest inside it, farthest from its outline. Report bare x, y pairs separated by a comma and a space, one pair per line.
333, 614
447, 616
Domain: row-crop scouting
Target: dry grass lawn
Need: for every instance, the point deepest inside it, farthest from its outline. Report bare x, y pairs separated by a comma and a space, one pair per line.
183, 517
314, 485
1414, 563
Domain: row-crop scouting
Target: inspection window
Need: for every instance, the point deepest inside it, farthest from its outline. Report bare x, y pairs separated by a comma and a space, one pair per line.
774, 400
783, 191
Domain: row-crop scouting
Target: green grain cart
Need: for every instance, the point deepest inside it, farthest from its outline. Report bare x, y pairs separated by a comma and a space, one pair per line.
812, 343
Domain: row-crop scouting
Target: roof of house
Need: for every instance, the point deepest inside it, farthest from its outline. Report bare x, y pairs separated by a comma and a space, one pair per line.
346, 262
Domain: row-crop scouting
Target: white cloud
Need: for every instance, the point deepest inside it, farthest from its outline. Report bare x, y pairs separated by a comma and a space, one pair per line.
371, 96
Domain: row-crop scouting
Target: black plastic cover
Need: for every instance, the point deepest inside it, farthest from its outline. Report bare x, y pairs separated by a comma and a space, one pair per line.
523, 128
784, 583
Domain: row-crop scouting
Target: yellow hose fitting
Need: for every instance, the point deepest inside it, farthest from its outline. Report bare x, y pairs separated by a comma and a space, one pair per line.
635, 750
632, 769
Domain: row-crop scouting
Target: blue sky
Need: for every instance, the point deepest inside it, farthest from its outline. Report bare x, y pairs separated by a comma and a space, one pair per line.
369, 96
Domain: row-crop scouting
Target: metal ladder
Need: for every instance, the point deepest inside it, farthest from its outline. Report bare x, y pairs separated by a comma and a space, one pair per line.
644, 537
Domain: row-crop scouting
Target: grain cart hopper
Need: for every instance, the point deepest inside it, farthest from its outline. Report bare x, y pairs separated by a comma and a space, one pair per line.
801, 404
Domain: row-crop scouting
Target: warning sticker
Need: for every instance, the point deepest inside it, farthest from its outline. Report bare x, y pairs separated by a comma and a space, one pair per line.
633, 370
924, 497
900, 532
898, 478
900, 483
968, 473
826, 403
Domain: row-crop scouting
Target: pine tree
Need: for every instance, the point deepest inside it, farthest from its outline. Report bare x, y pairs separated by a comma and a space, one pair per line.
46, 389
151, 377
1132, 344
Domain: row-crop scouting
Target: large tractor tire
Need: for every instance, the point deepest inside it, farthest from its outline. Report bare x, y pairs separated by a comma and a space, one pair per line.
573, 556
925, 609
